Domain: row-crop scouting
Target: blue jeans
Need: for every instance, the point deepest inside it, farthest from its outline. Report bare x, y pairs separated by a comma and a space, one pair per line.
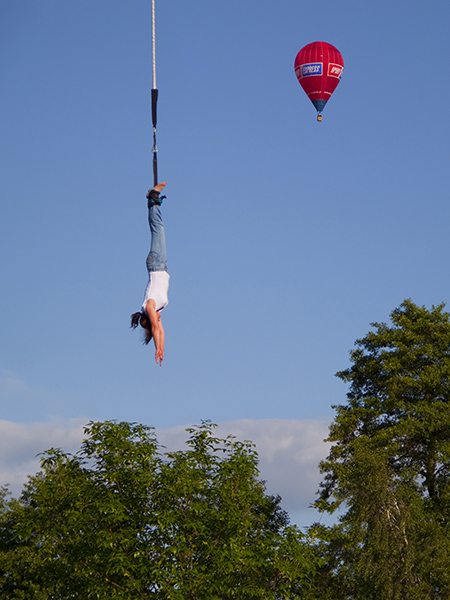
157, 257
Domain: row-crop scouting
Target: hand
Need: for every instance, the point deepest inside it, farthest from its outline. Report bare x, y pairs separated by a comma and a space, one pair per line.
159, 356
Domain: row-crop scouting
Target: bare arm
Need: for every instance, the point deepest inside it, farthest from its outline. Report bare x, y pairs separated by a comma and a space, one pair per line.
157, 330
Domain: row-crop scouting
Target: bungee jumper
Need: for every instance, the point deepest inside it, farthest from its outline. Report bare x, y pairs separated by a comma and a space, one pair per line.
155, 298
156, 292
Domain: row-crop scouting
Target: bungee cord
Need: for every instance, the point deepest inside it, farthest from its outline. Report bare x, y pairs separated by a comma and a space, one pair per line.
153, 44
154, 99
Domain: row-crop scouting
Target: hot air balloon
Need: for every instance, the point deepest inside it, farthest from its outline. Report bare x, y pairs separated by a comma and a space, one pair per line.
319, 67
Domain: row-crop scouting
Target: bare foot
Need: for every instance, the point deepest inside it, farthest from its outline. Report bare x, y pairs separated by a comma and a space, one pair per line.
159, 186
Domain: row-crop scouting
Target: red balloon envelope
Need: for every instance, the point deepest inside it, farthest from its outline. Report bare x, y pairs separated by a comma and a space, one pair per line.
319, 67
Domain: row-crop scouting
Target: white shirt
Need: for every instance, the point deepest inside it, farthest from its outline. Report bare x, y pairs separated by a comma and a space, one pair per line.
157, 288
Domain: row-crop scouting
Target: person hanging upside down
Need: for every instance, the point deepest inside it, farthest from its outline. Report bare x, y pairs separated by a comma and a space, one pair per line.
155, 298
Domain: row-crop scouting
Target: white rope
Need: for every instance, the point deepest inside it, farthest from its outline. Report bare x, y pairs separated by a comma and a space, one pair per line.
153, 44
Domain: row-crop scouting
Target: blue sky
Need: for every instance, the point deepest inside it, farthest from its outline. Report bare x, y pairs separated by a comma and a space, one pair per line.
286, 237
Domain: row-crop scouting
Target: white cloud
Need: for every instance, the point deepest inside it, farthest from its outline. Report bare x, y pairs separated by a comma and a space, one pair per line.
21, 442
289, 451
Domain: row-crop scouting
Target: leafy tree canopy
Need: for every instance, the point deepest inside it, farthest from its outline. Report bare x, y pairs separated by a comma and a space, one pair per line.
122, 519
389, 466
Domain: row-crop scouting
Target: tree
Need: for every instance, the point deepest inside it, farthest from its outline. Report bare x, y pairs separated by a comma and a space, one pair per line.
122, 520
389, 466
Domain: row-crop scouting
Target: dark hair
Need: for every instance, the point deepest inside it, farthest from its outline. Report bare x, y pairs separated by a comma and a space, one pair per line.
141, 318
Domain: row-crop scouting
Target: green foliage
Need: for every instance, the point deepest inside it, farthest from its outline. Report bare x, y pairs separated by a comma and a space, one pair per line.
388, 469
122, 520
